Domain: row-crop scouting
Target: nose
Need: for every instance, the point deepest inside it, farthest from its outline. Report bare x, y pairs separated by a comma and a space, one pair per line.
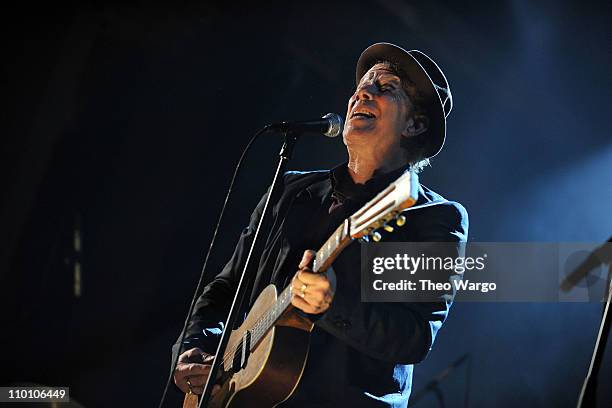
364, 92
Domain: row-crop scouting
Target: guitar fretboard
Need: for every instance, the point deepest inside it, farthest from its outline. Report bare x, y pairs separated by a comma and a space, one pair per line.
323, 260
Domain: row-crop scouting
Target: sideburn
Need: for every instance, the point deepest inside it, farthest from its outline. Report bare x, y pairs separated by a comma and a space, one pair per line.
414, 147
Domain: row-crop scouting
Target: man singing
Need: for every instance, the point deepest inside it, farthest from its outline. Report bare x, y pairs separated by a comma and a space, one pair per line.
361, 354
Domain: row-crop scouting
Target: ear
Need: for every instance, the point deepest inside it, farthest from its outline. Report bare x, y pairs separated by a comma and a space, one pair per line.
415, 125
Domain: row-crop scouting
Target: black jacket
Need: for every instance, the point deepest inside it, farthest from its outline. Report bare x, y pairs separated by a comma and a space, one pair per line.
361, 353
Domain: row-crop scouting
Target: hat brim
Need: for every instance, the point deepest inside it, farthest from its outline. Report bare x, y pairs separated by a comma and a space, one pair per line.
432, 104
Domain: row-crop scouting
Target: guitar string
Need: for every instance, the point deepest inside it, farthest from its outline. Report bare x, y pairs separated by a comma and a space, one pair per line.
255, 327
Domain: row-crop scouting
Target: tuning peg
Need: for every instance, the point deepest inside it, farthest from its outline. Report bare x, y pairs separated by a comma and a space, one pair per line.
388, 228
376, 236
400, 221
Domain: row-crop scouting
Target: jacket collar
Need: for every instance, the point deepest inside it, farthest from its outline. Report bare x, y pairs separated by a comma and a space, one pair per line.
322, 188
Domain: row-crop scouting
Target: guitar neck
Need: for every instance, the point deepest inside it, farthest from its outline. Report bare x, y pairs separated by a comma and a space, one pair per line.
332, 247
325, 256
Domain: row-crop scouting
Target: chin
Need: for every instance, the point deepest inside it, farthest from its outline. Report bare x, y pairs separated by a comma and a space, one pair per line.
355, 134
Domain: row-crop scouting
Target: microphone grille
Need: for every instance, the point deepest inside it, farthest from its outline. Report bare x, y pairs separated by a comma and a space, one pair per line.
335, 124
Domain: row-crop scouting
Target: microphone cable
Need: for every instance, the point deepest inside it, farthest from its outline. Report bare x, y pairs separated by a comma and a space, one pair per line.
203, 272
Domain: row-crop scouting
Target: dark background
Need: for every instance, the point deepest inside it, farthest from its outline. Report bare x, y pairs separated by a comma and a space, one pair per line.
125, 120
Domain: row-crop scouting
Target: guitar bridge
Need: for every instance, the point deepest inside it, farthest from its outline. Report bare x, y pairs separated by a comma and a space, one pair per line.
242, 353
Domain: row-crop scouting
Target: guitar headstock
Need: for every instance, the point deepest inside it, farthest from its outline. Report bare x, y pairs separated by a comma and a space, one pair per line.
386, 206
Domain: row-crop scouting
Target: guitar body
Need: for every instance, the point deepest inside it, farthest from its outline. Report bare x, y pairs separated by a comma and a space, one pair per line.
274, 367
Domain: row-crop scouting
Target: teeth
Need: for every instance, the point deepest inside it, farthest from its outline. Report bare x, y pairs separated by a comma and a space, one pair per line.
364, 113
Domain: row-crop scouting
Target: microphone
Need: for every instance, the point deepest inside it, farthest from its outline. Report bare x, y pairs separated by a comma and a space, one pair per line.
330, 125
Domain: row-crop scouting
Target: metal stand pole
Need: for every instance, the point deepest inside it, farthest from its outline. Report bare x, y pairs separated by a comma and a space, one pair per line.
434, 384
439, 396
588, 395
256, 246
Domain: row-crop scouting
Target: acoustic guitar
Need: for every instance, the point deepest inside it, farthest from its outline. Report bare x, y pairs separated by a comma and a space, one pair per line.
265, 357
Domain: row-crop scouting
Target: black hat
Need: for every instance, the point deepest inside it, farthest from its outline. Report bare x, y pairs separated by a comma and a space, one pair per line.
429, 80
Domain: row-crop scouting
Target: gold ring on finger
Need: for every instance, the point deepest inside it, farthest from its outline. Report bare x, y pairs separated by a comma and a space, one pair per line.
189, 385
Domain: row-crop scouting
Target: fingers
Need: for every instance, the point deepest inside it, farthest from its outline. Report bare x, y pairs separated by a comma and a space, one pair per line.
311, 278
311, 298
200, 389
307, 258
302, 305
194, 365
307, 307
192, 369
195, 373
320, 289
312, 292
197, 385
297, 286
181, 376
198, 380
194, 355
183, 385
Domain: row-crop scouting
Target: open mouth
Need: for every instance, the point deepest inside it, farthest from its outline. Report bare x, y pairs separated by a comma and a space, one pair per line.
362, 114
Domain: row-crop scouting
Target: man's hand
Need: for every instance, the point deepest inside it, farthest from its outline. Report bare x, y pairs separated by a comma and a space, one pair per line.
193, 366
312, 292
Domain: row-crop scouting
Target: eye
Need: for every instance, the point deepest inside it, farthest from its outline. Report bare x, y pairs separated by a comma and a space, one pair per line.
384, 87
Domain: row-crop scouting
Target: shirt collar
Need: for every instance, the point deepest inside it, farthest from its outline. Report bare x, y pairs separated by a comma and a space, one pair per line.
345, 188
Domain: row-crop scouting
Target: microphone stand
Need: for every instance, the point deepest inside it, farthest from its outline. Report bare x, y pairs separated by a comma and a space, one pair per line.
245, 278
434, 384
588, 394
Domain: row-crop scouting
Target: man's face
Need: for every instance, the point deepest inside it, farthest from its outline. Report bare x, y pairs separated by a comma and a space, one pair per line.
377, 114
